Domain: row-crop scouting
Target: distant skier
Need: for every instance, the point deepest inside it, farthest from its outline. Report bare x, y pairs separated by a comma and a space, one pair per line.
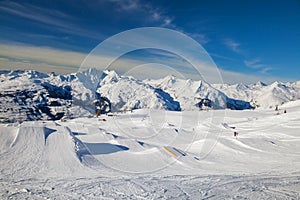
235, 134
97, 104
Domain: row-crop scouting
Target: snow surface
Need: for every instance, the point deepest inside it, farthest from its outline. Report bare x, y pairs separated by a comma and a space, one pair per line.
155, 144
155, 154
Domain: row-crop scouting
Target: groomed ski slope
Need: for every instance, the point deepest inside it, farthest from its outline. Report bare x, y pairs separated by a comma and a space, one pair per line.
155, 154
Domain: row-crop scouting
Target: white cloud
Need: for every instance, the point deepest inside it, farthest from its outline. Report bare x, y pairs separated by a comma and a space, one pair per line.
232, 45
235, 77
256, 63
127, 5
199, 37
156, 16
266, 70
222, 57
151, 13
54, 18
4, 59
167, 22
41, 54
41, 67
47, 59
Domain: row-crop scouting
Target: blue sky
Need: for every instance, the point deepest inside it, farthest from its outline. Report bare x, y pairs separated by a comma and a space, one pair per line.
248, 40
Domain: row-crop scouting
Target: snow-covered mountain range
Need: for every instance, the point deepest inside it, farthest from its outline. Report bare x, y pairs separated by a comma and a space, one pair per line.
31, 95
262, 95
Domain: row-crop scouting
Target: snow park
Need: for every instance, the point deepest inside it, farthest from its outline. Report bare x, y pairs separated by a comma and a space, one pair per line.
148, 145
142, 99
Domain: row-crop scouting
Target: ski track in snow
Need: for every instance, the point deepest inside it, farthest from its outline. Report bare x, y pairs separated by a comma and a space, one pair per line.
151, 187
142, 155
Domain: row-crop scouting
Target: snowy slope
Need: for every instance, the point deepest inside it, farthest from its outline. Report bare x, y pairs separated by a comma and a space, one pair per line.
154, 155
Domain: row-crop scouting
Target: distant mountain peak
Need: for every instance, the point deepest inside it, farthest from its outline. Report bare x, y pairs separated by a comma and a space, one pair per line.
37, 93
260, 84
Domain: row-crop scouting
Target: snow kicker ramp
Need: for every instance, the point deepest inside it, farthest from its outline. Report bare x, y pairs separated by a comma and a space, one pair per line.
37, 149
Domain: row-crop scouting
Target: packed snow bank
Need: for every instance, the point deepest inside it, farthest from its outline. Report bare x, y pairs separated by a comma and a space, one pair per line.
179, 140
291, 105
39, 149
7, 137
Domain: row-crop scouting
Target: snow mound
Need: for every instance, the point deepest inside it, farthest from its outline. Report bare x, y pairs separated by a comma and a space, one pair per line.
38, 148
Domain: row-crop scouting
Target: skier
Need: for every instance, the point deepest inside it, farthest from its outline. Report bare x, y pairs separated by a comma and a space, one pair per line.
98, 107
235, 134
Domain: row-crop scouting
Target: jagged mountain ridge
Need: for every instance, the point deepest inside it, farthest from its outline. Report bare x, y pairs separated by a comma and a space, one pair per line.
262, 95
31, 95
194, 95
127, 93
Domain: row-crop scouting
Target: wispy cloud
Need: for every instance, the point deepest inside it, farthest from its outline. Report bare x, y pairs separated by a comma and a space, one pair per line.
38, 13
151, 13
3, 59
266, 70
256, 63
253, 63
56, 19
236, 77
156, 15
199, 37
232, 45
127, 5
38, 55
48, 59
217, 55
50, 17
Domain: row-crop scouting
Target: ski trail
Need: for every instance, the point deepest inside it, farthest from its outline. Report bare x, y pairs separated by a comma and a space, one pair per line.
15, 139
